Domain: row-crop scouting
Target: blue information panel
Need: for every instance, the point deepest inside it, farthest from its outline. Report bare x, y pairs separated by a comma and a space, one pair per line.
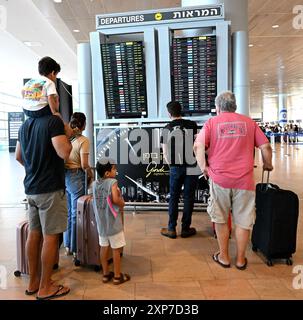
124, 79
194, 73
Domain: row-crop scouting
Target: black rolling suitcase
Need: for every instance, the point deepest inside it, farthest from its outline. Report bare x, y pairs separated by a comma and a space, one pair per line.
275, 229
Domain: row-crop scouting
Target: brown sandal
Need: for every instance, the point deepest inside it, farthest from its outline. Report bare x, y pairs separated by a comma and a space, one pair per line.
107, 277
123, 278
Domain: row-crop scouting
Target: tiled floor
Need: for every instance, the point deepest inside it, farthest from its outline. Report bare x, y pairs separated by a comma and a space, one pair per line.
163, 268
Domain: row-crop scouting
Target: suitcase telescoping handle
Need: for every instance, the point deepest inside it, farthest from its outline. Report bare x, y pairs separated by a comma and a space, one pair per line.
267, 182
86, 184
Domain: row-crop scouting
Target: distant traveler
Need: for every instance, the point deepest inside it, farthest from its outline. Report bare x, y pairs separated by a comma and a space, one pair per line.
229, 140
291, 134
296, 132
75, 168
42, 148
177, 142
108, 208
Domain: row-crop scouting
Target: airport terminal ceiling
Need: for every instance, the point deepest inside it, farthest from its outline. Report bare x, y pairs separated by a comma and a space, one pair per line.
275, 36
273, 64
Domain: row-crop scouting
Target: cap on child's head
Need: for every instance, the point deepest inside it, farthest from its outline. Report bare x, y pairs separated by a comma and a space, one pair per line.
103, 165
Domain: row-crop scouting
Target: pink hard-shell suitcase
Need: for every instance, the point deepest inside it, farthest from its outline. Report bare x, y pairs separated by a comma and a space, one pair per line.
88, 249
22, 261
21, 237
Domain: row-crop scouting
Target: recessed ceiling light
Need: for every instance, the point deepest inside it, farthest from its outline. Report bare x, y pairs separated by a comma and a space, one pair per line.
76, 30
265, 74
252, 80
32, 43
251, 45
282, 67
275, 26
58, 1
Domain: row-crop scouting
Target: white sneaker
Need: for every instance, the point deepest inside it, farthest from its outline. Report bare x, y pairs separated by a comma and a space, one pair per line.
68, 252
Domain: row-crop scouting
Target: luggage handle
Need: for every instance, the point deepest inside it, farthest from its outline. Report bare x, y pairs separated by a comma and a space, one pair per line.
86, 179
267, 182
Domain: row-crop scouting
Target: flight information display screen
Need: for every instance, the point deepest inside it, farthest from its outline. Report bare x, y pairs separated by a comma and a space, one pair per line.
124, 79
194, 73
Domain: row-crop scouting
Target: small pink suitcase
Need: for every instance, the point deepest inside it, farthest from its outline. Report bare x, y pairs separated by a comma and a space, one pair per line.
22, 261
21, 237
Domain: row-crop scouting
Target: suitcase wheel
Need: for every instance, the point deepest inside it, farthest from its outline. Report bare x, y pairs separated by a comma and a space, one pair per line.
17, 273
77, 263
97, 268
289, 262
269, 263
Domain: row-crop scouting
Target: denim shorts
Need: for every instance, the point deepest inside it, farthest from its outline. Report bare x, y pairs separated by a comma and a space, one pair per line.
48, 212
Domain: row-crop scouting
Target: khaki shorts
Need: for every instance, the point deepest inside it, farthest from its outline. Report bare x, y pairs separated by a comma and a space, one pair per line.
48, 212
242, 203
116, 241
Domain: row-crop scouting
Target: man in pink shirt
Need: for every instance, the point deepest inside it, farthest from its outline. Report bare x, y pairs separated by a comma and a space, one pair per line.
229, 140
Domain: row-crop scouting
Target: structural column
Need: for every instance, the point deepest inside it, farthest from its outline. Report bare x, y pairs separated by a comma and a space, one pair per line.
85, 93
237, 12
241, 71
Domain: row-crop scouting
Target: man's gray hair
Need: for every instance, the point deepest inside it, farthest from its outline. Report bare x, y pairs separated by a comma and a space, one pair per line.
226, 101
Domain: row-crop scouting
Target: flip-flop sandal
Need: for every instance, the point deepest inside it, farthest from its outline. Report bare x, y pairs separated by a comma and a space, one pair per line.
30, 293
107, 277
216, 259
244, 265
123, 278
55, 295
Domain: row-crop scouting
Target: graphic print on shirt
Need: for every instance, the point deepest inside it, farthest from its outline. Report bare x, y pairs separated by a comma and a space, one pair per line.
101, 197
180, 128
34, 90
232, 130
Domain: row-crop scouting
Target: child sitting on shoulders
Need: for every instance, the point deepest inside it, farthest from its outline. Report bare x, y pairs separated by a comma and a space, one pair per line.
40, 97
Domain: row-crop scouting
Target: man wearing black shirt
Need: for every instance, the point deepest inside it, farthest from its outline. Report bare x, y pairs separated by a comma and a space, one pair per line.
177, 143
42, 148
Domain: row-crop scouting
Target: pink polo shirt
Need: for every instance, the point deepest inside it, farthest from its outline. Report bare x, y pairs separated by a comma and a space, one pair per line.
230, 139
